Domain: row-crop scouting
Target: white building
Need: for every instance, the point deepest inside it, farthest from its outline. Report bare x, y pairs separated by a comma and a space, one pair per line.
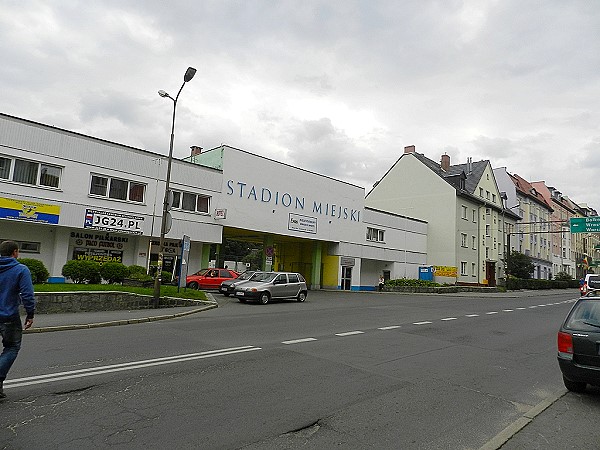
67, 196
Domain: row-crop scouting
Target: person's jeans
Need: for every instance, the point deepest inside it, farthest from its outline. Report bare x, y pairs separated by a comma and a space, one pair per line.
11, 330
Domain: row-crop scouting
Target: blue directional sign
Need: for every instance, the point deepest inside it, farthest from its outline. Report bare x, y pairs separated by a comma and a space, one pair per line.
585, 224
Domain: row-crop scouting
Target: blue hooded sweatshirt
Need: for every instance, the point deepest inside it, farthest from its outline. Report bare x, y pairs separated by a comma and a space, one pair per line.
15, 287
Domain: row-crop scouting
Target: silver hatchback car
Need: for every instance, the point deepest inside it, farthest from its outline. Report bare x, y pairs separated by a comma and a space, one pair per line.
267, 286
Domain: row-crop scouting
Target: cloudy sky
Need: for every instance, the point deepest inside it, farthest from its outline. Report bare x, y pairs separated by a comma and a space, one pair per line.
338, 87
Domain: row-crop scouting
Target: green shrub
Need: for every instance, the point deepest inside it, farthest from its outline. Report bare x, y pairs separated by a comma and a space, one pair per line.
39, 273
535, 284
113, 272
136, 270
407, 282
82, 271
165, 277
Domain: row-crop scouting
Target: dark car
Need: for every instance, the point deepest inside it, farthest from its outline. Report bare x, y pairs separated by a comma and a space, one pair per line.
579, 345
265, 286
209, 278
227, 287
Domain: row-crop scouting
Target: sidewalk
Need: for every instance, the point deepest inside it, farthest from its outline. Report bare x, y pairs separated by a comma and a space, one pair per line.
44, 323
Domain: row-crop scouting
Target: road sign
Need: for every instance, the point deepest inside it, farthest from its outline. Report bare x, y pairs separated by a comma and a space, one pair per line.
585, 224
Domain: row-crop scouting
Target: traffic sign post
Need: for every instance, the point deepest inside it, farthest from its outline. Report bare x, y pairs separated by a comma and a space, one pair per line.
585, 224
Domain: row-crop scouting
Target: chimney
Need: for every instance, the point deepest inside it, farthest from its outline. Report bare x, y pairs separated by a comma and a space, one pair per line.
409, 149
445, 162
196, 150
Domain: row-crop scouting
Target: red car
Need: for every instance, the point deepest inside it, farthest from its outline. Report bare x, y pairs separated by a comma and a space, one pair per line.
209, 278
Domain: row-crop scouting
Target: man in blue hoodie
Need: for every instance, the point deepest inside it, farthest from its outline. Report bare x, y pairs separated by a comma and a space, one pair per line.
15, 287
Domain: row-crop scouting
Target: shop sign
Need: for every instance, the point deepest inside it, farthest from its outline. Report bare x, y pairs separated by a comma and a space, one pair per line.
445, 271
347, 262
109, 221
304, 224
98, 255
28, 211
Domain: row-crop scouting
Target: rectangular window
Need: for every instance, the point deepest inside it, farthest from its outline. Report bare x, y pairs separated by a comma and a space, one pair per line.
487, 230
99, 185
487, 194
494, 198
463, 268
5, 164
474, 216
463, 240
118, 189
464, 212
473, 269
189, 201
25, 172
474, 238
375, 235
29, 172
481, 192
49, 175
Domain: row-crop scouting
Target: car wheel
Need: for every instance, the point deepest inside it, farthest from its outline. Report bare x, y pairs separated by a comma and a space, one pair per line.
242, 300
264, 298
301, 296
574, 386
226, 294
193, 285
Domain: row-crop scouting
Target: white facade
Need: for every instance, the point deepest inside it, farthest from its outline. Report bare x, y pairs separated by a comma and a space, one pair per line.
67, 196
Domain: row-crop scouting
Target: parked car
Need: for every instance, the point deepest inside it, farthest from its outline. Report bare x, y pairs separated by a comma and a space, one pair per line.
590, 282
209, 278
578, 345
267, 286
227, 287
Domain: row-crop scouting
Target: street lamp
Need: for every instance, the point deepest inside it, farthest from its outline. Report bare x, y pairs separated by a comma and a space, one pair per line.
189, 74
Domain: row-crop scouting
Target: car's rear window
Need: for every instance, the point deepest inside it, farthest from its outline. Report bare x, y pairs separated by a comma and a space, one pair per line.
293, 277
585, 315
594, 282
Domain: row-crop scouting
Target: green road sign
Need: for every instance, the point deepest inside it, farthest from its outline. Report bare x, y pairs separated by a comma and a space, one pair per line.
585, 224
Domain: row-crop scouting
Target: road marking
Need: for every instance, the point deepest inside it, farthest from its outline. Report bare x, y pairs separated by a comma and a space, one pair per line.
391, 327
492, 312
531, 307
299, 341
542, 305
449, 318
521, 308
349, 333
472, 315
507, 310
81, 373
421, 323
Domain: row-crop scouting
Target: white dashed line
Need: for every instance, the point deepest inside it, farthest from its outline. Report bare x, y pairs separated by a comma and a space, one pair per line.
534, 306
421, 323
472, 315
492, 312
392, 327
521, 308
542, 305
299, 341
449, 318
507, 310
349, 333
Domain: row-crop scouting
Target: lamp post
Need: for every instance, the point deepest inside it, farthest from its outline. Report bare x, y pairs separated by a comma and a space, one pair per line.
189, 74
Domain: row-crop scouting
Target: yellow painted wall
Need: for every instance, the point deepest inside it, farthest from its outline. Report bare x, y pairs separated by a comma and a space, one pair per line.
331, 266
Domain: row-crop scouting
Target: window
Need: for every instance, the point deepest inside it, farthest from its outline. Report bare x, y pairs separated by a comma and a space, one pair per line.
26, 247
494, 198
481, 192
293, 278
463, 268
29, 172
463, 239
473, 270
189, 201
464, 212
117, 189
487, 230
474, 238
488, 211
487, 194
374, 234
474, 216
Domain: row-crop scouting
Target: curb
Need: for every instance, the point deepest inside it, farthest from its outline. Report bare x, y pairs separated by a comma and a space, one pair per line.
505, 435
113, 323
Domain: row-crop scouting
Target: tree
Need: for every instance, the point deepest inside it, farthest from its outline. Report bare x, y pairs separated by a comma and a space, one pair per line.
519, 265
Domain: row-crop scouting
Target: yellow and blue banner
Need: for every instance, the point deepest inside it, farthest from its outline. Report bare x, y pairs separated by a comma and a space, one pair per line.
28, 211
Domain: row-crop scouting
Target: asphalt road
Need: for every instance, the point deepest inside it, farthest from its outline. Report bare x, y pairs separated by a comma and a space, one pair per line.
345, 370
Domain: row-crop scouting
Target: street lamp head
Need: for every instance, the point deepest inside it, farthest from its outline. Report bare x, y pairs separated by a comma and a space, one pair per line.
163, 94
189, 74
